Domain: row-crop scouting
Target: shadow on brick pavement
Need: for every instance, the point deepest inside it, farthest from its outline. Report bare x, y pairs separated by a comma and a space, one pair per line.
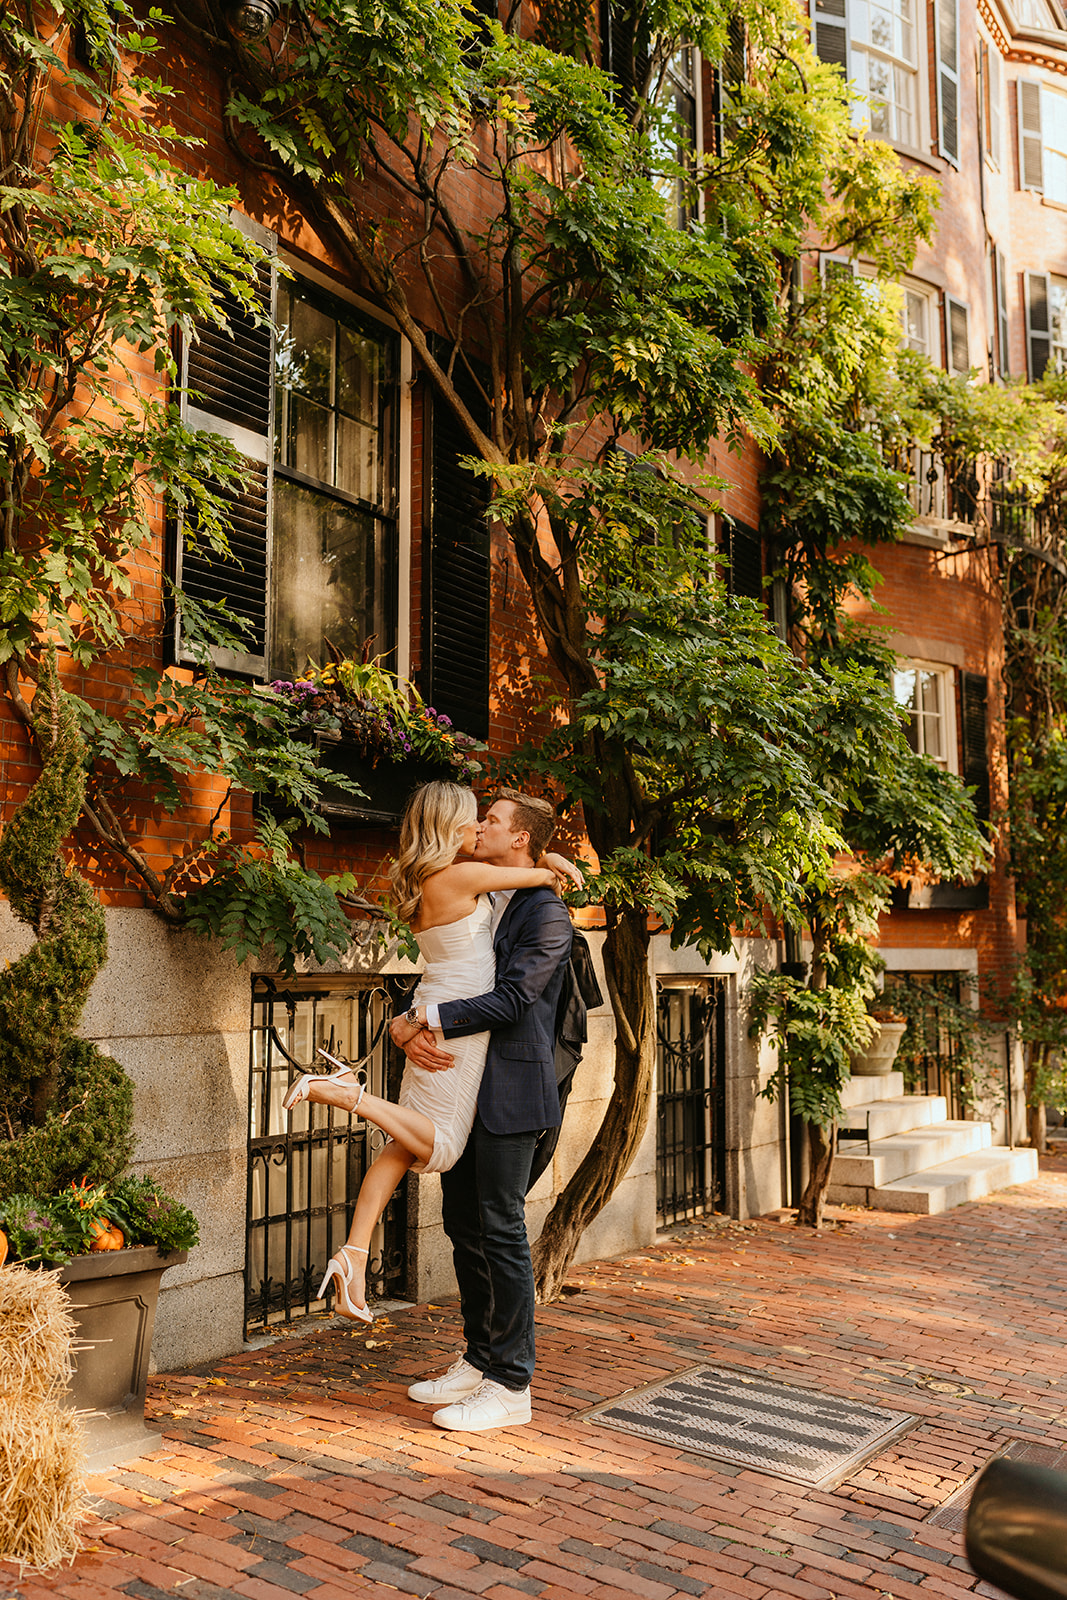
301, 1468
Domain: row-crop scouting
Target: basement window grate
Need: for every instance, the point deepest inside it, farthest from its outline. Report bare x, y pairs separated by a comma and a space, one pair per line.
754, 1421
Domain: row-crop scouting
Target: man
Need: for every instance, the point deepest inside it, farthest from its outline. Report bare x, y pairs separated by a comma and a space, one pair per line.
484, 1194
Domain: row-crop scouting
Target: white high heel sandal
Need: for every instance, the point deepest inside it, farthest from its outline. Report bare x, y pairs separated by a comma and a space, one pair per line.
298, 1091
340, 1267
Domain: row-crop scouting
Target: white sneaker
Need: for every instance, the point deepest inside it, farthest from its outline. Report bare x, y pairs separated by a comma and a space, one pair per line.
460, 1380
490, 1405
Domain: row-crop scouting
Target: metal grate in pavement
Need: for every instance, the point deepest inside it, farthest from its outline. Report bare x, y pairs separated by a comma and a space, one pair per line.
953, 1513
758, 1422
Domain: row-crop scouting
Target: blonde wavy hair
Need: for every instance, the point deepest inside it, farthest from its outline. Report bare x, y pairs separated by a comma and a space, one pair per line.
430, 834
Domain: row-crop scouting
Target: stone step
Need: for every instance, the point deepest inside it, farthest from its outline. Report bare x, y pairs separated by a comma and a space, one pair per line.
883, 1086
898, 1115
967, 1178
856, 1169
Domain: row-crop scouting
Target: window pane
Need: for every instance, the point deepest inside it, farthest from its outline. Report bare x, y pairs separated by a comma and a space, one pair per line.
358, 376
357, 460
329, 578
307, 438
310, 350
915, 322
905, 688
930, 689
1058, 320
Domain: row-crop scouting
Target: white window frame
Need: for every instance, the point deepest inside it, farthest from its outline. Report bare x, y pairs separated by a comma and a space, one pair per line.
946, 676
833, 37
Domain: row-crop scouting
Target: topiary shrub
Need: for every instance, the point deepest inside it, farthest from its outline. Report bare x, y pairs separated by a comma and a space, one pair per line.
69, 1107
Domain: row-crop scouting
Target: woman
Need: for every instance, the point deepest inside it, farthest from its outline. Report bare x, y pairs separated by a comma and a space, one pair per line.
447, 905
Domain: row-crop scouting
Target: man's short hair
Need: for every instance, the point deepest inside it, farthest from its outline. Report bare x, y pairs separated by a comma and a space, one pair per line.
533, 816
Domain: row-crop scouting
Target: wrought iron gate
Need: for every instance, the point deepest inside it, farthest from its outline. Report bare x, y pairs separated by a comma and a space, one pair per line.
690, 1098
304, 1169
930, 1052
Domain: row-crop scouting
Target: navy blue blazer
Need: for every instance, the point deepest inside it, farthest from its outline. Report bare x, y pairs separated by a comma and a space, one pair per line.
533, 942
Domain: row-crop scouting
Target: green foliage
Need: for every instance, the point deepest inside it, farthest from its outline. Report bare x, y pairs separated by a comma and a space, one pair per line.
817, 1028
258, 898
68, 1106
86, 1131
48, 1230
147, 1215
387, 719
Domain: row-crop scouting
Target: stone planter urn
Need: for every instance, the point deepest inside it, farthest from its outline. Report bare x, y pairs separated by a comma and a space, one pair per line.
113, 1301
880, 1054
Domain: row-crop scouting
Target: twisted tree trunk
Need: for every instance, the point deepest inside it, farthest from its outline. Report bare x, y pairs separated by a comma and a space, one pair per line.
612, 1151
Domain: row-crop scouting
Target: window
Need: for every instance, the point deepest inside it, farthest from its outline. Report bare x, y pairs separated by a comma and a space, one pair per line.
1042, 116
885, 66
918, 316
628, 51
1046, 323
927, 693
312, 408
676, 142
1057, 301
334, 481
877, 45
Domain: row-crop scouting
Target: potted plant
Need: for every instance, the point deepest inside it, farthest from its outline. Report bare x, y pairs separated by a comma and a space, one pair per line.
377, 734
69, 1107
878, 1056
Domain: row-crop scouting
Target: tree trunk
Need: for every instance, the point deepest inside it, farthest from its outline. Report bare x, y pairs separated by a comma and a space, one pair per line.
1034, 1077
821, 1143
1037, 1129
612, 1151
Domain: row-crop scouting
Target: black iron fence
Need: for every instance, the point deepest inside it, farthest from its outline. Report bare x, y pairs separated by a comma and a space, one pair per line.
690, 1098
304, 1169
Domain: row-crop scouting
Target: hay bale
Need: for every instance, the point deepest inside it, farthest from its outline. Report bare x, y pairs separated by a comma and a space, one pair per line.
42, 1495
36, 1330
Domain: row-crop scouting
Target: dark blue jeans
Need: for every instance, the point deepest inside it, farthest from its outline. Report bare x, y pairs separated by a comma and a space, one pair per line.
484, 1214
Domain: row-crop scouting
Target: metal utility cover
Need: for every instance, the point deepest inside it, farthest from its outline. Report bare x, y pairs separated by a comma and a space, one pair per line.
758, 1422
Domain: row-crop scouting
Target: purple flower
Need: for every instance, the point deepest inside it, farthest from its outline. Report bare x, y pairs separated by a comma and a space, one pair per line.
281, 686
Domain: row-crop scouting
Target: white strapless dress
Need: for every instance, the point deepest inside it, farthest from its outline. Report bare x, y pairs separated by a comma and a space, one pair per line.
460, 963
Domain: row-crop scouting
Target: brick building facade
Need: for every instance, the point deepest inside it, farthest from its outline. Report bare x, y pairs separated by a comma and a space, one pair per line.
363, 470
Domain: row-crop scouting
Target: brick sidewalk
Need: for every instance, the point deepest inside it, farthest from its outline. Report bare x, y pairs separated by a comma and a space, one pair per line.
302, 1468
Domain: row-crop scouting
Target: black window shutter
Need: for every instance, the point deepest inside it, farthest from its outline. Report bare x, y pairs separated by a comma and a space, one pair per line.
1031, 136
829, 27
744, 575
229, 389
456, 631
948, 79
1038, 324
1003, 349
974, 694
624, 49
959, 341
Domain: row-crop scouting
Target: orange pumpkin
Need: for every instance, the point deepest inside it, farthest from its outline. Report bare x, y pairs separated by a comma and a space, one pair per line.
3, 1248
105, 1235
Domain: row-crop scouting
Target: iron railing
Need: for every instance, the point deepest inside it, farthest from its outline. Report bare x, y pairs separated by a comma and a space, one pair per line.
305, 1169
690, 1099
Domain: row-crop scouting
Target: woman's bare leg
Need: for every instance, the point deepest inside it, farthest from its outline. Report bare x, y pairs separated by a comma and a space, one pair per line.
409, 1128
375, 1192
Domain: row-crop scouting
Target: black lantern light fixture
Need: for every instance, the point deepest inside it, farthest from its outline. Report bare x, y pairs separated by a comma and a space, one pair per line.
252, 20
